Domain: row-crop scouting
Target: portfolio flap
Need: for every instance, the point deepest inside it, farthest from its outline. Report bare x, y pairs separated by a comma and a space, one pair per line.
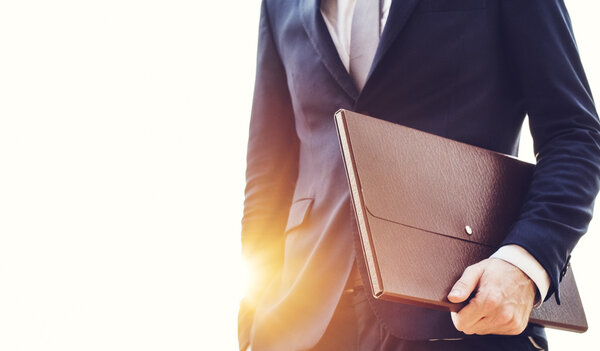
450, 192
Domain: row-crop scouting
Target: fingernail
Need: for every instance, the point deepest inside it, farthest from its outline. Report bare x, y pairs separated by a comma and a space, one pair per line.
455, 293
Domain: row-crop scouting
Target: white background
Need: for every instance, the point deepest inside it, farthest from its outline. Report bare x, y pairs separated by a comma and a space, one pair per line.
123, 127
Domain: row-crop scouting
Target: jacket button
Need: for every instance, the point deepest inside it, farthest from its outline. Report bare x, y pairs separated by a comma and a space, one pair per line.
564, 270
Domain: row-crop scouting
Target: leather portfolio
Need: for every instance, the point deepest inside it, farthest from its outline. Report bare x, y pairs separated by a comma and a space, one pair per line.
427, 207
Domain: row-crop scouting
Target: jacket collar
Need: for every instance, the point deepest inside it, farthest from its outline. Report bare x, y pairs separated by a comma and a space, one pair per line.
310, 13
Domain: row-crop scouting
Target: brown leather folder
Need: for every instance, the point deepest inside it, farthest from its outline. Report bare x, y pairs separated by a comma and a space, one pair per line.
427, 207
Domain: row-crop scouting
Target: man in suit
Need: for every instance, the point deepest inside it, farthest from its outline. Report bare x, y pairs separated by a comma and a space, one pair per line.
469, 70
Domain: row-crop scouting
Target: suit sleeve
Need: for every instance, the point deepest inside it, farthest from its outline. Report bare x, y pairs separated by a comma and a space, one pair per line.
271, 173
564, 124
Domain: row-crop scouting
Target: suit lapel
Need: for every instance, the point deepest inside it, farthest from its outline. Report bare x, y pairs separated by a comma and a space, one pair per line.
400, 11
312, 20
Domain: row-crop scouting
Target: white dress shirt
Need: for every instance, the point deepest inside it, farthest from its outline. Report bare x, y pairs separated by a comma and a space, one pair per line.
338, 18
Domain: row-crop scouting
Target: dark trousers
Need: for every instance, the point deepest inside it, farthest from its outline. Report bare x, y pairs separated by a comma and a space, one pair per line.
354, 327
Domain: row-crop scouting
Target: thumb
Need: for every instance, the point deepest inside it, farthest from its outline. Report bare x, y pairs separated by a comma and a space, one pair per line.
463, 288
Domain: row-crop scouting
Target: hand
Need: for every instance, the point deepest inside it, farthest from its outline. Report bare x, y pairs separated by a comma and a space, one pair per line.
503, 301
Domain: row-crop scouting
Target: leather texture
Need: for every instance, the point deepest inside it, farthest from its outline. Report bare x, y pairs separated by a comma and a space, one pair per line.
467, 70
428, 207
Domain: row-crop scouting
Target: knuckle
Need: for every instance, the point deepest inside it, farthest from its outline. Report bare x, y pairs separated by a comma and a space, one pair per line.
522, 326
468, 331
514, 325
458, 324
506, 317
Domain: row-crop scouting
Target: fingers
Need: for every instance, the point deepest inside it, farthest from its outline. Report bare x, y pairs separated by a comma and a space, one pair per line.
506, 321
472, 314
463, 288
486, 316
462, 324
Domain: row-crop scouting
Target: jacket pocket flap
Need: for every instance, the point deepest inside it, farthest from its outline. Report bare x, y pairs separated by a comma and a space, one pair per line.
298, 212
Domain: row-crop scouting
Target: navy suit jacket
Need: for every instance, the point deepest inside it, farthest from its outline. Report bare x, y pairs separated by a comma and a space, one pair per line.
469, 70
